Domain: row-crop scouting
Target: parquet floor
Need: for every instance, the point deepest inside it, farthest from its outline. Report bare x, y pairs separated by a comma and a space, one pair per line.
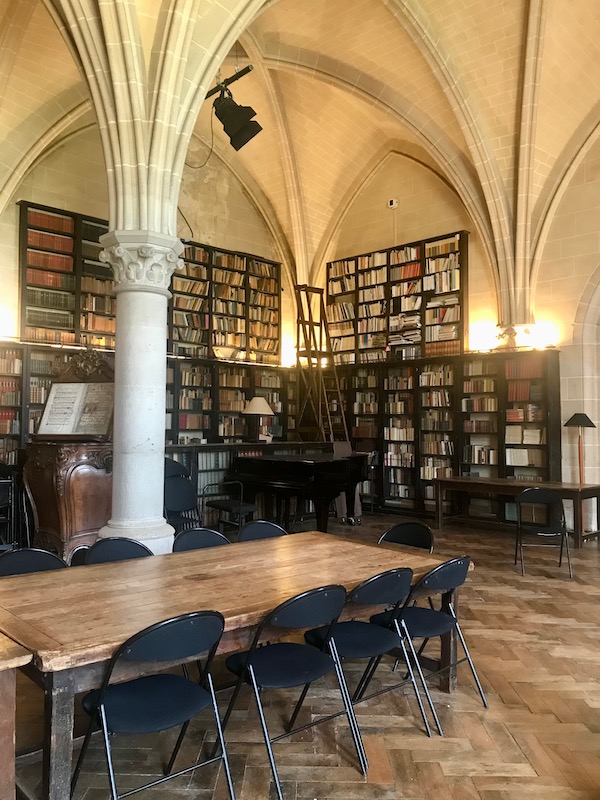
536, 644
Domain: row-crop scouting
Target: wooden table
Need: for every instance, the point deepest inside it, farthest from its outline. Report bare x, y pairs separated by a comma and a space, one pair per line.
74, 619
500, 487
12, 655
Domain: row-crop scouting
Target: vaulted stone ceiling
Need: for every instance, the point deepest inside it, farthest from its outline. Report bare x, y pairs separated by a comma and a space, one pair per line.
499, 99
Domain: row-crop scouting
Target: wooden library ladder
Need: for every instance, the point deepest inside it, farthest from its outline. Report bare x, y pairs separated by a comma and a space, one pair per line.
321, 409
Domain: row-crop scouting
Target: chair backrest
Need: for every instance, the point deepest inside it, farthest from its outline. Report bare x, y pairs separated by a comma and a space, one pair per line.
78, 556
444, 578
198, 538
180, 494
260, 529
555, 512
390, 588
28, 559
412, 534
173, 467
188, 636
116, 548
309, 609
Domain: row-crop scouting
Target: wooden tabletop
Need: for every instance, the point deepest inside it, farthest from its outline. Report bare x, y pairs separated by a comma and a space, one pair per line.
77, 616
12, 655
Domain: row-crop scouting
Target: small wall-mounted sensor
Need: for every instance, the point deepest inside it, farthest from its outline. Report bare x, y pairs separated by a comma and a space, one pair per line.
393, 203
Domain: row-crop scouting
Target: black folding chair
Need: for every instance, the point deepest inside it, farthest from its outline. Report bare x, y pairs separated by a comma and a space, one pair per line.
173, 467
155, 703
411, 534
197, 539
548, 530
357, 639
28, 559
227, 500
283, 665
427, 623
181, 503
260, 529
116, 548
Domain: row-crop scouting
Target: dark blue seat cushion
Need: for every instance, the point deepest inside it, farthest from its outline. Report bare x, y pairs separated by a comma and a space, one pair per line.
282, 665
356, 639
149, 704
422, 623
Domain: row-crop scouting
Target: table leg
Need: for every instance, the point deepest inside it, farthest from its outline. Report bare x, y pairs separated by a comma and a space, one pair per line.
578, 522
448, 652
59, 712
438, 505
8, 685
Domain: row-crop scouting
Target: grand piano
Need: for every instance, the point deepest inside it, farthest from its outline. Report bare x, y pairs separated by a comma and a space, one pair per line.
319, 477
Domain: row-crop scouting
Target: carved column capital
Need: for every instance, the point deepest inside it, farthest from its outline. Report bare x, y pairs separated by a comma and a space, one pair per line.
141, 260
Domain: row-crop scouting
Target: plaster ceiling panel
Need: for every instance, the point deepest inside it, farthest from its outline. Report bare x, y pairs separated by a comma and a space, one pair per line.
569, 80
334, 137
482, 47
41, 86
354, 38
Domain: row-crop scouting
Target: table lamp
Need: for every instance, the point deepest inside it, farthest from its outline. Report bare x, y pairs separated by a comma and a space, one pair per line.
255, 409
580, 421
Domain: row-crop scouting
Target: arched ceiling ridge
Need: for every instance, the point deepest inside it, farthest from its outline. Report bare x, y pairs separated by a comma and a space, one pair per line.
572, 157
377, 160
414, 21
445, 153
290, 167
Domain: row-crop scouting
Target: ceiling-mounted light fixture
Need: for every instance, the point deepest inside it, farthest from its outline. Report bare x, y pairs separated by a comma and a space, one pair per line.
237, 121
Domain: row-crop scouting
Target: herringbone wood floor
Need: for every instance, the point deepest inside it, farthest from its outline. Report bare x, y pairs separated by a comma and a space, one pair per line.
536, 644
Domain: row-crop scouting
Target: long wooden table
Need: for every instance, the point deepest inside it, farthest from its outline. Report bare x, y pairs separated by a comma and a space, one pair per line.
505, 487
12, 656
72, 620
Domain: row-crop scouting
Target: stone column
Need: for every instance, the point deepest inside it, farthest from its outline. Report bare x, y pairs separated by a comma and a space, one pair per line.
143, 263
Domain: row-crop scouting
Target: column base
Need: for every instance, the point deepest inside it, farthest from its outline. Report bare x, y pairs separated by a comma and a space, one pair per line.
158, 535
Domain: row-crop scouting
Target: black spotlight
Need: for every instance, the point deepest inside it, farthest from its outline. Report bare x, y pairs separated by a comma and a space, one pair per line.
236, 120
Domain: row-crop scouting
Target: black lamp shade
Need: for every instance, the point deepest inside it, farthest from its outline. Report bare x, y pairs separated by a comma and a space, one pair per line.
579, 421
236, 120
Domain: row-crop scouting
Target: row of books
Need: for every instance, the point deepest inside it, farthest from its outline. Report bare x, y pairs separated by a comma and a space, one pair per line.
442, 282
100, 303
442, 247
268, 285
189, 303
50, 241
443, 348
406, 272
474, 404
11, 362
47, 219
400, 254
96, 285
262, 268
372, 277
400, 406
9, 421
523, 390
49, 299
341, 285
480, 454
39, 388
93, 322
38, 259
479, 385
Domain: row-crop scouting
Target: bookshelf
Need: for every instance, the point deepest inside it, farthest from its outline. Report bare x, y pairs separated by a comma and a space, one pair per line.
11, 419
402, 303
400, 478
190, 306
224, 304
490, 415
65, 289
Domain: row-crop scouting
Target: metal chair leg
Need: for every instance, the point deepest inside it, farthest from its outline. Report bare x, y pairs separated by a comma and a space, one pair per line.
358, 743
82, 752
224, 756
265, 731
290, 726
107, 751
469, 659
568, 555
225, 720
414, 685
180, 738
422, 679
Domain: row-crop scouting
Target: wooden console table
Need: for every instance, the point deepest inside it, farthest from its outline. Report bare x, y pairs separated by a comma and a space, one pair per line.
505, 487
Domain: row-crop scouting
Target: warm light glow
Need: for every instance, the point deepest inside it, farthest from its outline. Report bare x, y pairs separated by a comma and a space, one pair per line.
288, 350
539, 335
8, 321
483, 335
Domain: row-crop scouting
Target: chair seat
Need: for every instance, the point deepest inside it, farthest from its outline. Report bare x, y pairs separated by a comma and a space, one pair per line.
175, 699
233, 506
422, 623
283, 665
356, 639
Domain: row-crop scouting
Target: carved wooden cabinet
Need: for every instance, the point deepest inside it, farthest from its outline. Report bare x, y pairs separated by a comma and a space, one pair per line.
70, 489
